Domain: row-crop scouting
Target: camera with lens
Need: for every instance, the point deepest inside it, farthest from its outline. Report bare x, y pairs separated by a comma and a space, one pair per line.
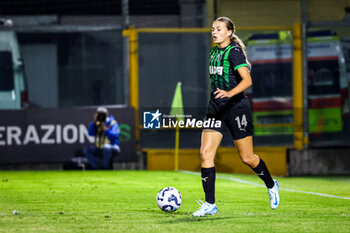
100, 118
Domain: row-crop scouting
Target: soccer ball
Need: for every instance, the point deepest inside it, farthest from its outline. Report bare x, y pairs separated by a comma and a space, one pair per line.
169, 199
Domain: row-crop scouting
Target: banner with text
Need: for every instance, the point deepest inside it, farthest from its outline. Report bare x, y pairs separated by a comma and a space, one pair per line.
37, 135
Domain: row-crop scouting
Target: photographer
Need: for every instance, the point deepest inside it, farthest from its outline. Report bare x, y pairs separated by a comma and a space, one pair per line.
105, 129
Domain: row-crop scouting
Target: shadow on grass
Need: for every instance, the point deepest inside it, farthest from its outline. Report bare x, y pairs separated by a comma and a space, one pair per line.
190, 218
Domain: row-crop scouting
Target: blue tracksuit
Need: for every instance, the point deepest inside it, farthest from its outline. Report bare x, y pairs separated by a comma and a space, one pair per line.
107, 144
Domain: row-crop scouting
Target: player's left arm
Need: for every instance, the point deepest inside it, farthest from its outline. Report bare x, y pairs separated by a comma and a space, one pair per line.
243, 85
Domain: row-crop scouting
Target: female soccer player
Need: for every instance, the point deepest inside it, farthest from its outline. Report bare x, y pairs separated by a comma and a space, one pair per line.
229, 77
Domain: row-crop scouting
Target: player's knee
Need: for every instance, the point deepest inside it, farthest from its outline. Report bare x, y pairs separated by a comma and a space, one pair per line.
206, 155
248, 160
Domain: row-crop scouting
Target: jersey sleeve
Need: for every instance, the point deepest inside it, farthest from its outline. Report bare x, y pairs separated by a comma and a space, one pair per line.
92, 129
112, 133
237, 58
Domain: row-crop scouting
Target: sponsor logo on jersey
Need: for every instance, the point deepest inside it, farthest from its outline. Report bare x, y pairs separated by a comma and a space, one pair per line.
216, 70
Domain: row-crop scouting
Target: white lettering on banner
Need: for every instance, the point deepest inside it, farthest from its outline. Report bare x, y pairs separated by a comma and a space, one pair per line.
2, 128
31, 135
58, 134
13, 132
68, 134
84, 133
74, 137
46, 138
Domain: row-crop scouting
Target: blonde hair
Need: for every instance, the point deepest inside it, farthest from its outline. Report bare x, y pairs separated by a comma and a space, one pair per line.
230, 26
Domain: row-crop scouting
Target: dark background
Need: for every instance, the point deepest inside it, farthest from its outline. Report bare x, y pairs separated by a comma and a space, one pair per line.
57, 153
91, 7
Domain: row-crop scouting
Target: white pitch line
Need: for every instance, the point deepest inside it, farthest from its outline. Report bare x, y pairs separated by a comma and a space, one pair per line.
260, 185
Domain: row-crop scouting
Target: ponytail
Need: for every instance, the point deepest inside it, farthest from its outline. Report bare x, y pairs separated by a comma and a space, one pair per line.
238, 41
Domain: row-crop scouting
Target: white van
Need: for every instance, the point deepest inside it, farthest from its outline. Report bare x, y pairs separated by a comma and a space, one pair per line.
13, 93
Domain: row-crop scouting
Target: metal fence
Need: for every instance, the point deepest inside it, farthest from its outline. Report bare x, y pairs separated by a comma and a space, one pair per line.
68, 67
166, 56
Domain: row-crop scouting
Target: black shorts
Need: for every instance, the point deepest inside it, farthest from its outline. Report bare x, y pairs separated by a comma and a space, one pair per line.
235, 115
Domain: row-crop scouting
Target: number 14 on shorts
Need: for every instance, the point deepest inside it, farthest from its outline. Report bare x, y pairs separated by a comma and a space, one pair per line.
242, 122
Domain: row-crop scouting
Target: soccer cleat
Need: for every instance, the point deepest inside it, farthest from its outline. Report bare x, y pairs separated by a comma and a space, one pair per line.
274, 196
205, 209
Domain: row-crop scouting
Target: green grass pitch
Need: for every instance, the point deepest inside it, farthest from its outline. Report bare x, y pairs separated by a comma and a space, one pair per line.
125, 201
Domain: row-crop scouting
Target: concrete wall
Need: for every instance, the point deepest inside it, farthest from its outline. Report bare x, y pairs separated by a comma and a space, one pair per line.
226, 160
275, 12
333, 161
279, 160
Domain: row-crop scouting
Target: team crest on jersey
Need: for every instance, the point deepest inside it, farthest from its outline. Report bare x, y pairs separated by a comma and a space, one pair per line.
219, 57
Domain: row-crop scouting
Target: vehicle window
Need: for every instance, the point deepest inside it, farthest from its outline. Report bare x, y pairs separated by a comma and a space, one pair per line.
6, 71
272, 79
323, 77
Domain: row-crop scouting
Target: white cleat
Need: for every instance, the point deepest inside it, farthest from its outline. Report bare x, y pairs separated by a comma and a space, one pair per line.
205, 209
274, 196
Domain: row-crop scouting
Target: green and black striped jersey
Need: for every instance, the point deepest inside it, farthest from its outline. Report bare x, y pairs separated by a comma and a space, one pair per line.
223, 65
